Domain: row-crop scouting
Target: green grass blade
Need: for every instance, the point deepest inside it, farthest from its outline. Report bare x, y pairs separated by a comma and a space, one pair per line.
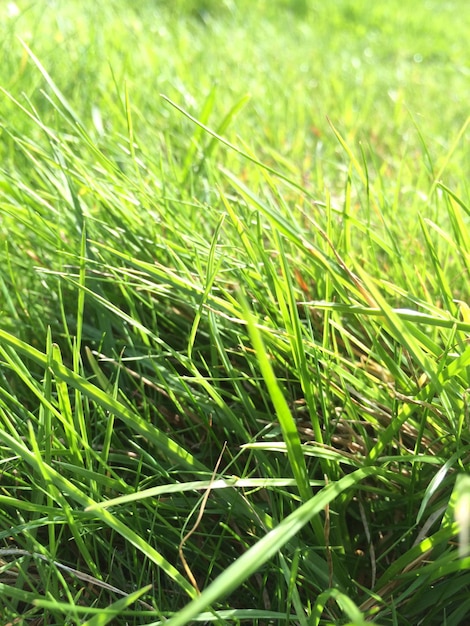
283, 413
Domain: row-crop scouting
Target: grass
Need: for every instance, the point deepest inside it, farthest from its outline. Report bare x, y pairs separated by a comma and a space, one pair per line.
234, 317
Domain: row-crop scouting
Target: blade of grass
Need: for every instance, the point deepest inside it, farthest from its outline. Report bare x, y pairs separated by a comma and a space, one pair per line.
283, 413
55, 90
213, 266
102, 615
230, 145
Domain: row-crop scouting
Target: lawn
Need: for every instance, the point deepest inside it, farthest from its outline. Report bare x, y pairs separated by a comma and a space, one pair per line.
234, 313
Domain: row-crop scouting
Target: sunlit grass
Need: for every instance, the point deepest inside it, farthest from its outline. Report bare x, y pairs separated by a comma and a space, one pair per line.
234, 321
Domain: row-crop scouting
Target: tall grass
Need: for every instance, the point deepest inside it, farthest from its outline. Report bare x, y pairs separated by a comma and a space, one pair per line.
234, 321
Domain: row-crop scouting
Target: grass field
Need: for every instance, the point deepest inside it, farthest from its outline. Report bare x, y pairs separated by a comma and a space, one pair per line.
234, 313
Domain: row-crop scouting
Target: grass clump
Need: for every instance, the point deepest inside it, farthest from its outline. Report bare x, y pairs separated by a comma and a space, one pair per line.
234, 328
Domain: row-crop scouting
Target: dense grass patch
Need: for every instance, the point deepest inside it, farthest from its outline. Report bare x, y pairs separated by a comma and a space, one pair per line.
234, 313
